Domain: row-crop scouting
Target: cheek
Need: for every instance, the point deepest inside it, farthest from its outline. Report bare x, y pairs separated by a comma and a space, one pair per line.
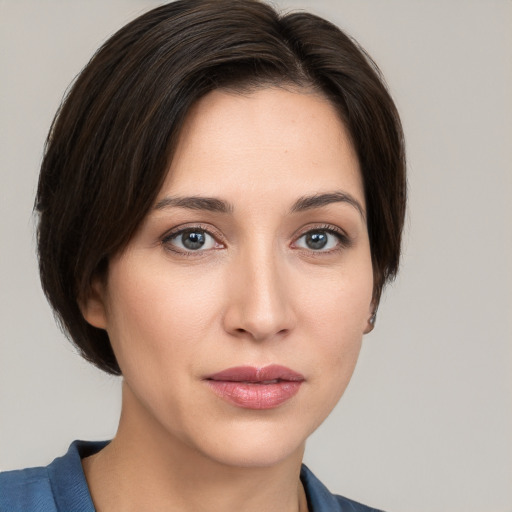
337, 327
157, 316
335, 316
337, 339
339, 302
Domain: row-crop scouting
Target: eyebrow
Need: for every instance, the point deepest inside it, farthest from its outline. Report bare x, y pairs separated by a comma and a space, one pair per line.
319, 200
214, 204
210, 204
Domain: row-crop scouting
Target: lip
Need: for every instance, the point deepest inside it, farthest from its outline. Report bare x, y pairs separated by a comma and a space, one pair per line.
256, 388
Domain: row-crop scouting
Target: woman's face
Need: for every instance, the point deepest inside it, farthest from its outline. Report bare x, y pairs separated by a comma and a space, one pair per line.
255, 255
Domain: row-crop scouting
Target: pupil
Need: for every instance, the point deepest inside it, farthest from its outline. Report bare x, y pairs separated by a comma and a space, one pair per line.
316, 240
193, 239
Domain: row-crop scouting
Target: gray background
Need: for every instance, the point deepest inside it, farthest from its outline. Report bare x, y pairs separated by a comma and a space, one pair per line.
426, 424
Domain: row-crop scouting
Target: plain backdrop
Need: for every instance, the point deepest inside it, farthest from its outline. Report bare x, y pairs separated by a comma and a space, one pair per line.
426, 423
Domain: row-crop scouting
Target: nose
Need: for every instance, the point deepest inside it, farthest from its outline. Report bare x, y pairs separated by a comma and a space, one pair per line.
259, 305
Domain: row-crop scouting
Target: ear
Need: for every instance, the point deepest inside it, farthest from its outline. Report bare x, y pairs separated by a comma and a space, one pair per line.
93, 306
372, 317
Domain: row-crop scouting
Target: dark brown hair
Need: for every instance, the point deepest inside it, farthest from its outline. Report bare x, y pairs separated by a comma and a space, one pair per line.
112, 140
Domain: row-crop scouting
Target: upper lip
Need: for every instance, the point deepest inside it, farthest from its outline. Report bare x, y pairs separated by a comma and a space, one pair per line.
273, 372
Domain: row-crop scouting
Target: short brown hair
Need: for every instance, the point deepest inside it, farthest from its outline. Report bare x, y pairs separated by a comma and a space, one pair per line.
111, 142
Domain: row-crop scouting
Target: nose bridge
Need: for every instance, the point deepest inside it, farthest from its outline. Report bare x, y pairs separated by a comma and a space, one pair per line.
260, 304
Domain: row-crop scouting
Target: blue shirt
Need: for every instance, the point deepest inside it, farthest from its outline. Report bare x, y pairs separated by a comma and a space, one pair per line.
61, 487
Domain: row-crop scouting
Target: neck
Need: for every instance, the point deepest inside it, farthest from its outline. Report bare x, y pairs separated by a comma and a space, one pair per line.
147, 468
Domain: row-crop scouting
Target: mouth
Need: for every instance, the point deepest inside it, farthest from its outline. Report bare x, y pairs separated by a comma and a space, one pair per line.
256, 388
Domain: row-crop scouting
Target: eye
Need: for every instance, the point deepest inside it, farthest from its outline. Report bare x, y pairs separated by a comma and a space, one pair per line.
191, 239
321, 240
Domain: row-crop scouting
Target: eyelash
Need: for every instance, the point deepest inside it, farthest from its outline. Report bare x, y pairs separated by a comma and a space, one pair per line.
344, 242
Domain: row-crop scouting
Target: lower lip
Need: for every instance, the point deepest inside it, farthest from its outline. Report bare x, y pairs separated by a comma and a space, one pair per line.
254, 395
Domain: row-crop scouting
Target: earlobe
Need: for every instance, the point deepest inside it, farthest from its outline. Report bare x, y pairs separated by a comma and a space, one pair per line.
93, 305
371, 320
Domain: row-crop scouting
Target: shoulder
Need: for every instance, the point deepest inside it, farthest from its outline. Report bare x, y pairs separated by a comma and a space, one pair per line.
321, 500
26, 489
60, 486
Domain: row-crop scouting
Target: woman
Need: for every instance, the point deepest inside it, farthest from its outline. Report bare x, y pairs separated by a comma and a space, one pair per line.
220, 205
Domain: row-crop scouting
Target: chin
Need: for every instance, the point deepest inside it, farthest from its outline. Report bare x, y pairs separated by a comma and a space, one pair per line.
254, 446
257, 454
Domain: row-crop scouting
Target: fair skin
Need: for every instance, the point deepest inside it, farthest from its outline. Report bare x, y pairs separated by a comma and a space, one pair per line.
262, 277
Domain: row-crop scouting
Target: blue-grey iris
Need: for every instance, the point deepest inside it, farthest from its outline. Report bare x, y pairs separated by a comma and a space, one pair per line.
193, 239
316, 239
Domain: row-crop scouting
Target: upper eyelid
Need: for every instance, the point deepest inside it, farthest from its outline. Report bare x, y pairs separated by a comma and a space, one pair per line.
177, 230
332, 228
310, 226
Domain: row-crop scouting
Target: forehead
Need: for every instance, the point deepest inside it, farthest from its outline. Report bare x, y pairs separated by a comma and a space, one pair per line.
270, 141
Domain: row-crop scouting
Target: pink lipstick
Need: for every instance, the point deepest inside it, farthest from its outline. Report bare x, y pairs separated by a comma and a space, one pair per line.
256, 388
